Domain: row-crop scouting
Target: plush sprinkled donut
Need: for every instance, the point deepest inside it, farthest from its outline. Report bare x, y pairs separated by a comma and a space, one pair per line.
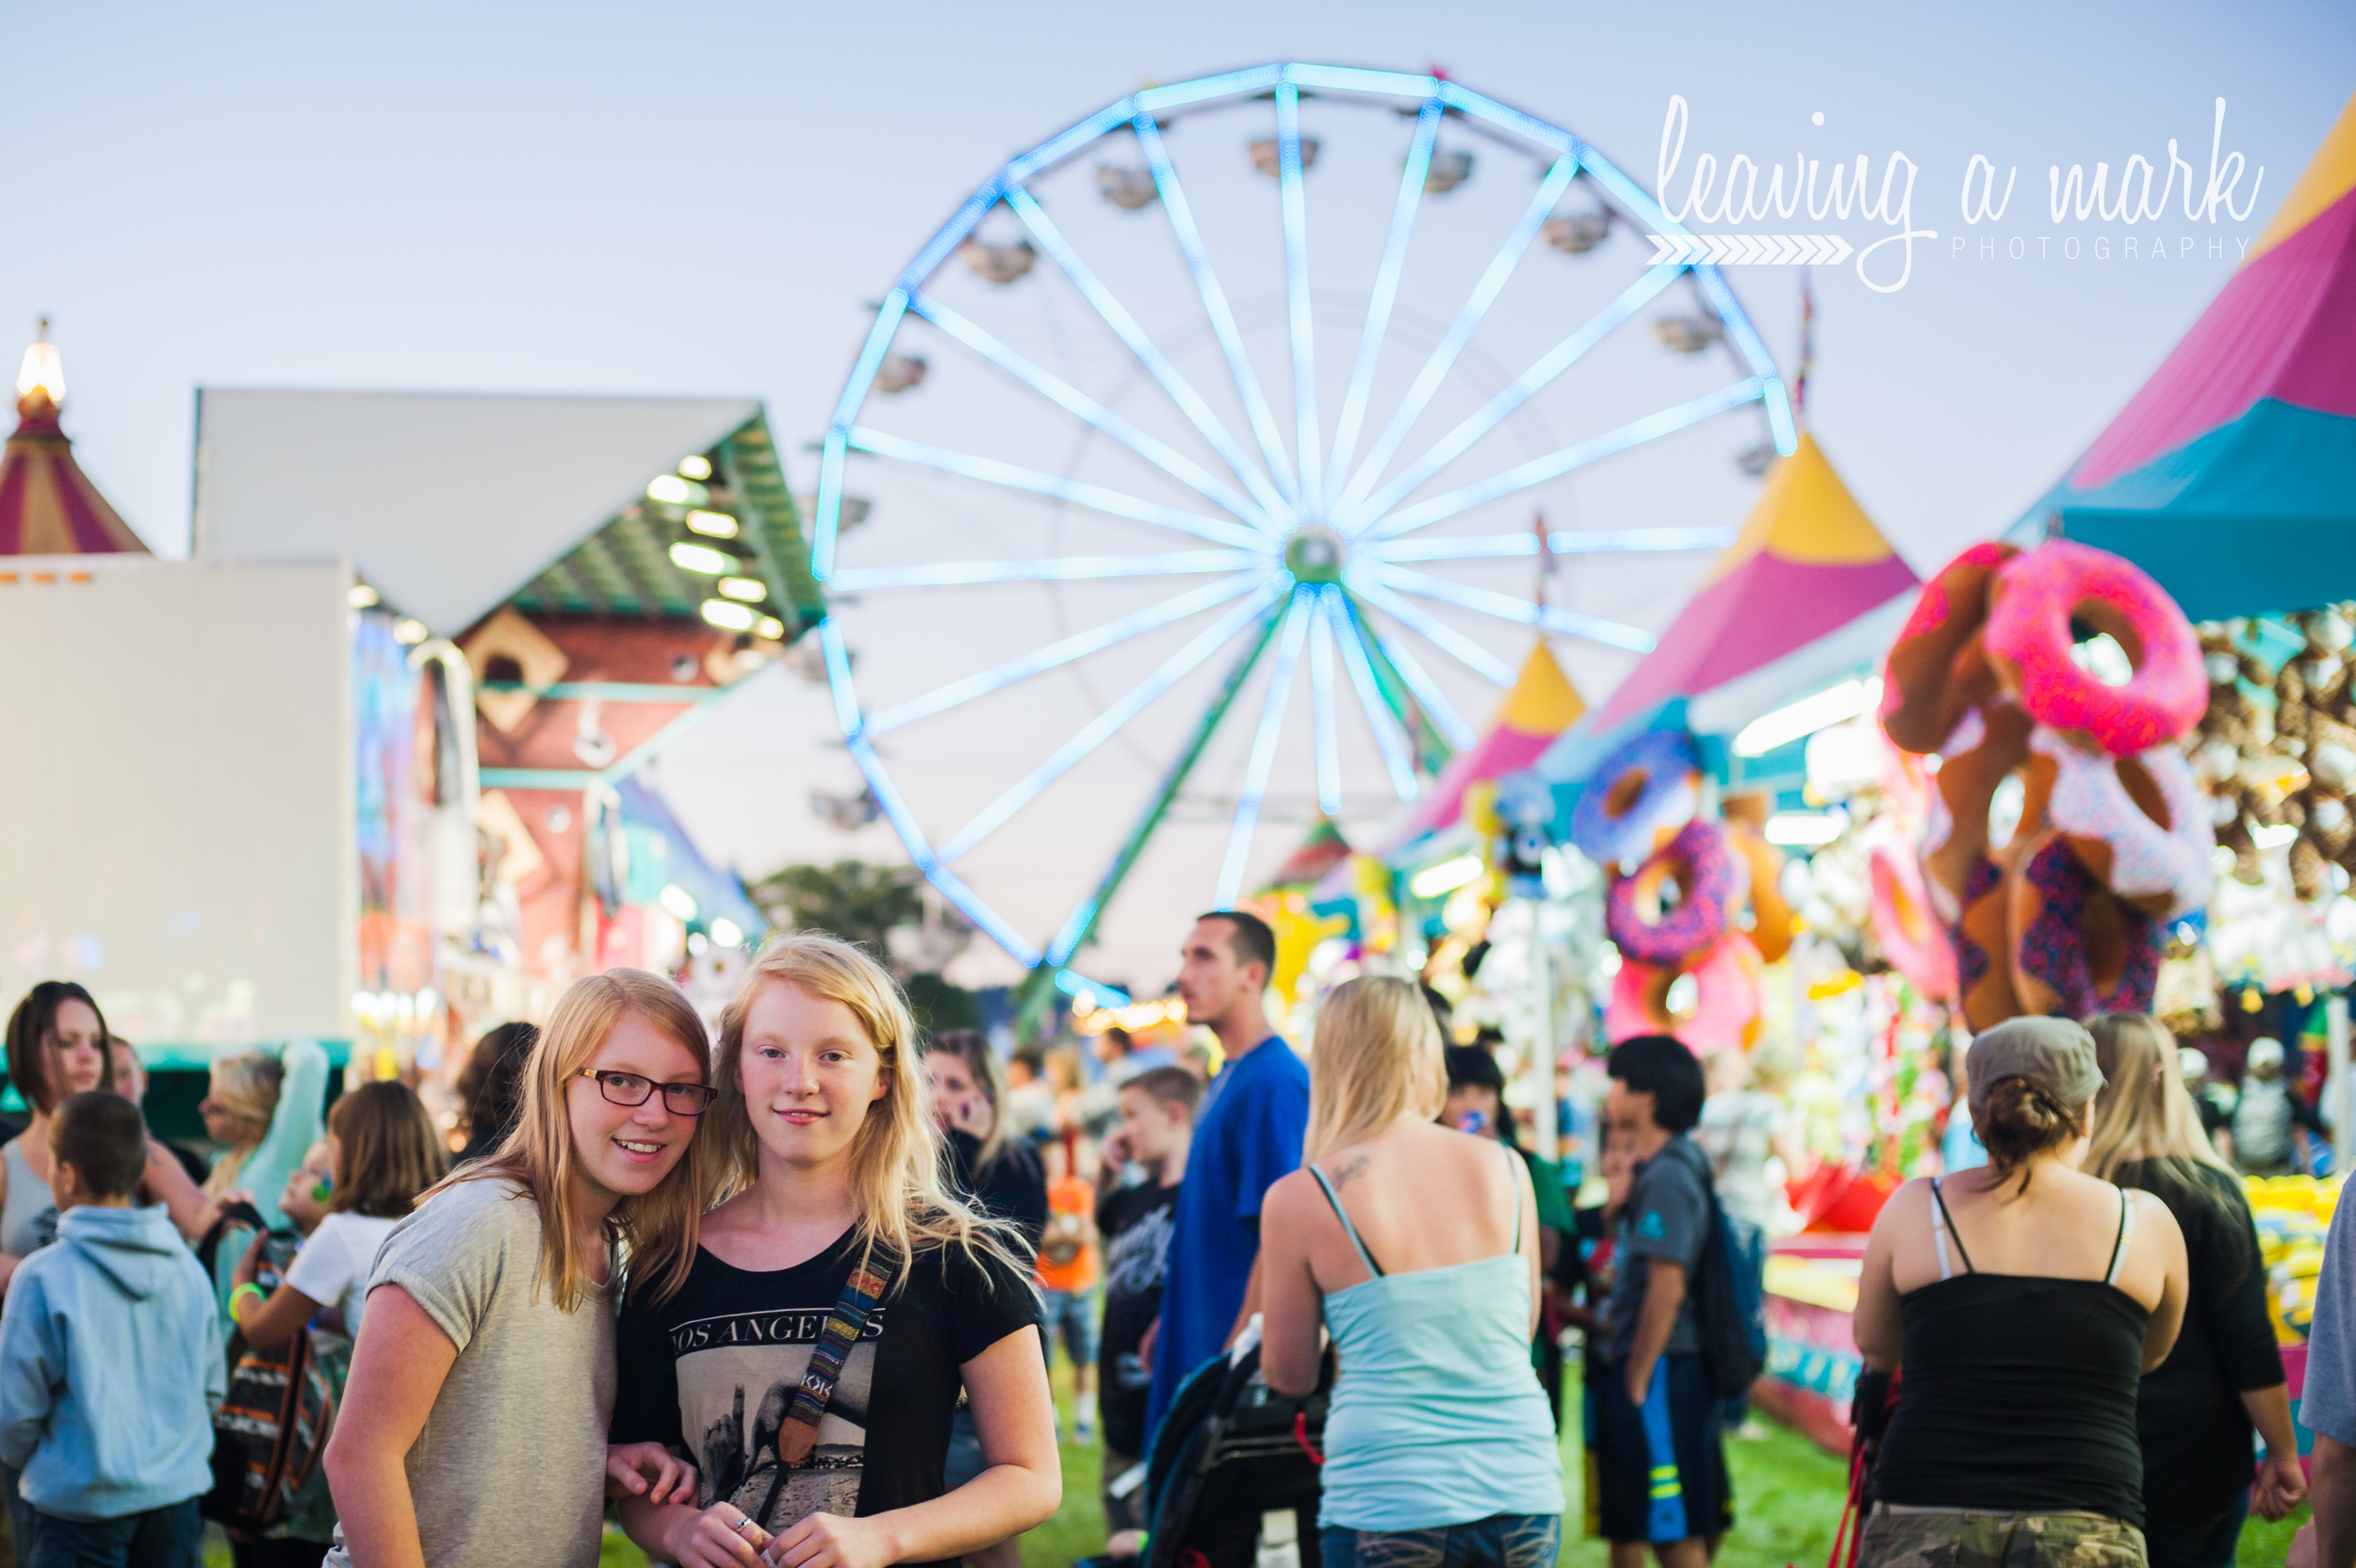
2138, 824
1639, 796
2039, 594
1986, 744
1983, 939
1937, 670
1724, 1014
1633, 914
2078, 950
1909, 933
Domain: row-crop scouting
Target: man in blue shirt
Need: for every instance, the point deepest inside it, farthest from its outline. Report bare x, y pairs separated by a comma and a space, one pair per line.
1248, 1133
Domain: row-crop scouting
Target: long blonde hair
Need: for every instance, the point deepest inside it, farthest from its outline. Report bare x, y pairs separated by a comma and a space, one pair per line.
904, 1205
1375, 1057
246, 1086
656, 1233
2144, 1111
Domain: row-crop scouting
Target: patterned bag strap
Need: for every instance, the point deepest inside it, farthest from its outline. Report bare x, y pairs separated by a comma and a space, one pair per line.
867, 1285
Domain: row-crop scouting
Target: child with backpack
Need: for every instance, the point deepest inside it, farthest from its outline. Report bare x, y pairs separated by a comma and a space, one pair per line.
1660, 1450
110, 1360
381, 1152
385, 1152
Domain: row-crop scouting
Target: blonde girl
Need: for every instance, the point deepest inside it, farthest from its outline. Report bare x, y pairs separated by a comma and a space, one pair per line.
824, 1141
483, 1381
1417, 1245
2195, 1411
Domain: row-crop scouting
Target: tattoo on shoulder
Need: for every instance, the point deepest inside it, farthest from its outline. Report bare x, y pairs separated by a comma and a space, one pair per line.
1354, 1165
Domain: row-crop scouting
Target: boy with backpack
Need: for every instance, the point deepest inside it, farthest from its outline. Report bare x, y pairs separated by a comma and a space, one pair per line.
110, 1361
1660, 1450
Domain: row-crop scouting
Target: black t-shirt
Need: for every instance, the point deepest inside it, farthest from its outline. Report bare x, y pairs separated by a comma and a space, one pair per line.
1012, 1187
711, 1374
2189, 1418
1135, 1224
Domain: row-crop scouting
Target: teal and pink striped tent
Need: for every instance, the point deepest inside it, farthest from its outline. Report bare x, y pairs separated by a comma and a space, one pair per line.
2231, 477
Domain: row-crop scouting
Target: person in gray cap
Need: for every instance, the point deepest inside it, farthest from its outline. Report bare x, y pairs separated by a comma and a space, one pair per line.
2024, 1301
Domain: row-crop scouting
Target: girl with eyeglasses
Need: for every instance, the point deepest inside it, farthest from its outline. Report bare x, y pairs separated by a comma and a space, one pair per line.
838, 1302
474, 1421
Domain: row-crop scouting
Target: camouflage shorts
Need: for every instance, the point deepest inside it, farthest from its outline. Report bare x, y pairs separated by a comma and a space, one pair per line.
1944, 1538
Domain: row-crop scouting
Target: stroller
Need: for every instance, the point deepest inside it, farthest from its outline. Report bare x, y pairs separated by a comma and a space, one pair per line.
1229, 1450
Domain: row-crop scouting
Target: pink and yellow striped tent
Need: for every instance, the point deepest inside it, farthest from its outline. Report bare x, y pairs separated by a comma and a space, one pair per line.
1800, 596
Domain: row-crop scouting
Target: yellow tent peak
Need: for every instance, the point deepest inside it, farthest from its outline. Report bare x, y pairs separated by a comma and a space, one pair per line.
1543, 701
2330, 176
1806, 516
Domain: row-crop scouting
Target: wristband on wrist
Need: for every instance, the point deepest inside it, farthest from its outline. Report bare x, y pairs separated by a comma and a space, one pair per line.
236, 1298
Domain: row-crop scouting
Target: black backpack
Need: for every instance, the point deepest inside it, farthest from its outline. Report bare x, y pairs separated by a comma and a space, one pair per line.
1728, 1313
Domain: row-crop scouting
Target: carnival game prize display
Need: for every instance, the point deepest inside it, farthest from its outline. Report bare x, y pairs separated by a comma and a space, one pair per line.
2060, 911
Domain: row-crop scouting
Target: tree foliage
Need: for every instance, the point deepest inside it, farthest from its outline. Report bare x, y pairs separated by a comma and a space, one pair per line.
850, 899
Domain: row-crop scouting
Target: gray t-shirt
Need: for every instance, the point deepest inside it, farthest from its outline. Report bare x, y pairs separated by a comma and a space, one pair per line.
1667, 1217
509, 1471
2328, 1404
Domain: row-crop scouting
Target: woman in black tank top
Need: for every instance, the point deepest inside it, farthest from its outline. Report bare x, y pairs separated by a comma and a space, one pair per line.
2014, 1440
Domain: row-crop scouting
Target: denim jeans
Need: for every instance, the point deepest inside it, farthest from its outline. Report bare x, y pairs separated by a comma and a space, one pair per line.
1500, 1541
170, 1537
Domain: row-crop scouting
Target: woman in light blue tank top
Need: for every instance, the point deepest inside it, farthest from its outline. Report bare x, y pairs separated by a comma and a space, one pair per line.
1415, 1247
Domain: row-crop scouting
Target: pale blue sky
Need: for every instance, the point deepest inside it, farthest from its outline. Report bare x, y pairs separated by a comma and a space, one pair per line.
700, 198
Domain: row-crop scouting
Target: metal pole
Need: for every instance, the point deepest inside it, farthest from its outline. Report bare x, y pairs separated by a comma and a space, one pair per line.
2336, 1087
1542, 1112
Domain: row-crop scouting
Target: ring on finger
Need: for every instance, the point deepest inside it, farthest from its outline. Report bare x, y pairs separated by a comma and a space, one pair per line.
743, 1520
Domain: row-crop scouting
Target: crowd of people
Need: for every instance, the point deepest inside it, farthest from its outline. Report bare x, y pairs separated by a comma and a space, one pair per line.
787, 1293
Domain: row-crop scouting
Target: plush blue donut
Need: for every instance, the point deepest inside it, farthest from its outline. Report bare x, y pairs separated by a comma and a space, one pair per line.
1639, 798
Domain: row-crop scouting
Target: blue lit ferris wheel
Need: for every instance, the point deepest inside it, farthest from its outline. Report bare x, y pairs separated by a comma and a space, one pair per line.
1094, 360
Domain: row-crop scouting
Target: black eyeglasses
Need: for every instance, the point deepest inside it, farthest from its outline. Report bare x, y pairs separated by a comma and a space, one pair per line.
631, 1088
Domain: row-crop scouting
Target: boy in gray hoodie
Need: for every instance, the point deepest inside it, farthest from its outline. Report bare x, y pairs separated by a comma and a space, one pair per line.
110, 1361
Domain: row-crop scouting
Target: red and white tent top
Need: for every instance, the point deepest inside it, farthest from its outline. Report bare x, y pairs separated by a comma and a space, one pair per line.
48, 506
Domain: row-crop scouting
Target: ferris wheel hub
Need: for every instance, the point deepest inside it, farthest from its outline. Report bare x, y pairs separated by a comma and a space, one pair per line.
1315, 553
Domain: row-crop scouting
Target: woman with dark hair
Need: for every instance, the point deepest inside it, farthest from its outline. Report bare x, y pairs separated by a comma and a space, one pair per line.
492, 1086
57, 1045
2024, 1301
999, 1173
2196, 1411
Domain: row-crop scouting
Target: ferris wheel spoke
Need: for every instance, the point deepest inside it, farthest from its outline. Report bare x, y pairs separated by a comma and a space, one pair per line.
1539, 470
1295, 209
1079, 645
1094, 496
1263, 751
1066, 568
1600, 541
1507, 608
1459, 332
1425, 690
1214, 300
1101, 728
1386, 285
1324, 719
1380, 719
1062, 393
1440, 635
1157, 364
1525, 387
1084, 916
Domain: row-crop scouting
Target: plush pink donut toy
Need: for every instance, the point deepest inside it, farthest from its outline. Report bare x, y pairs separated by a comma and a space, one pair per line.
1725, 1016
2038, 594
1704, 872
